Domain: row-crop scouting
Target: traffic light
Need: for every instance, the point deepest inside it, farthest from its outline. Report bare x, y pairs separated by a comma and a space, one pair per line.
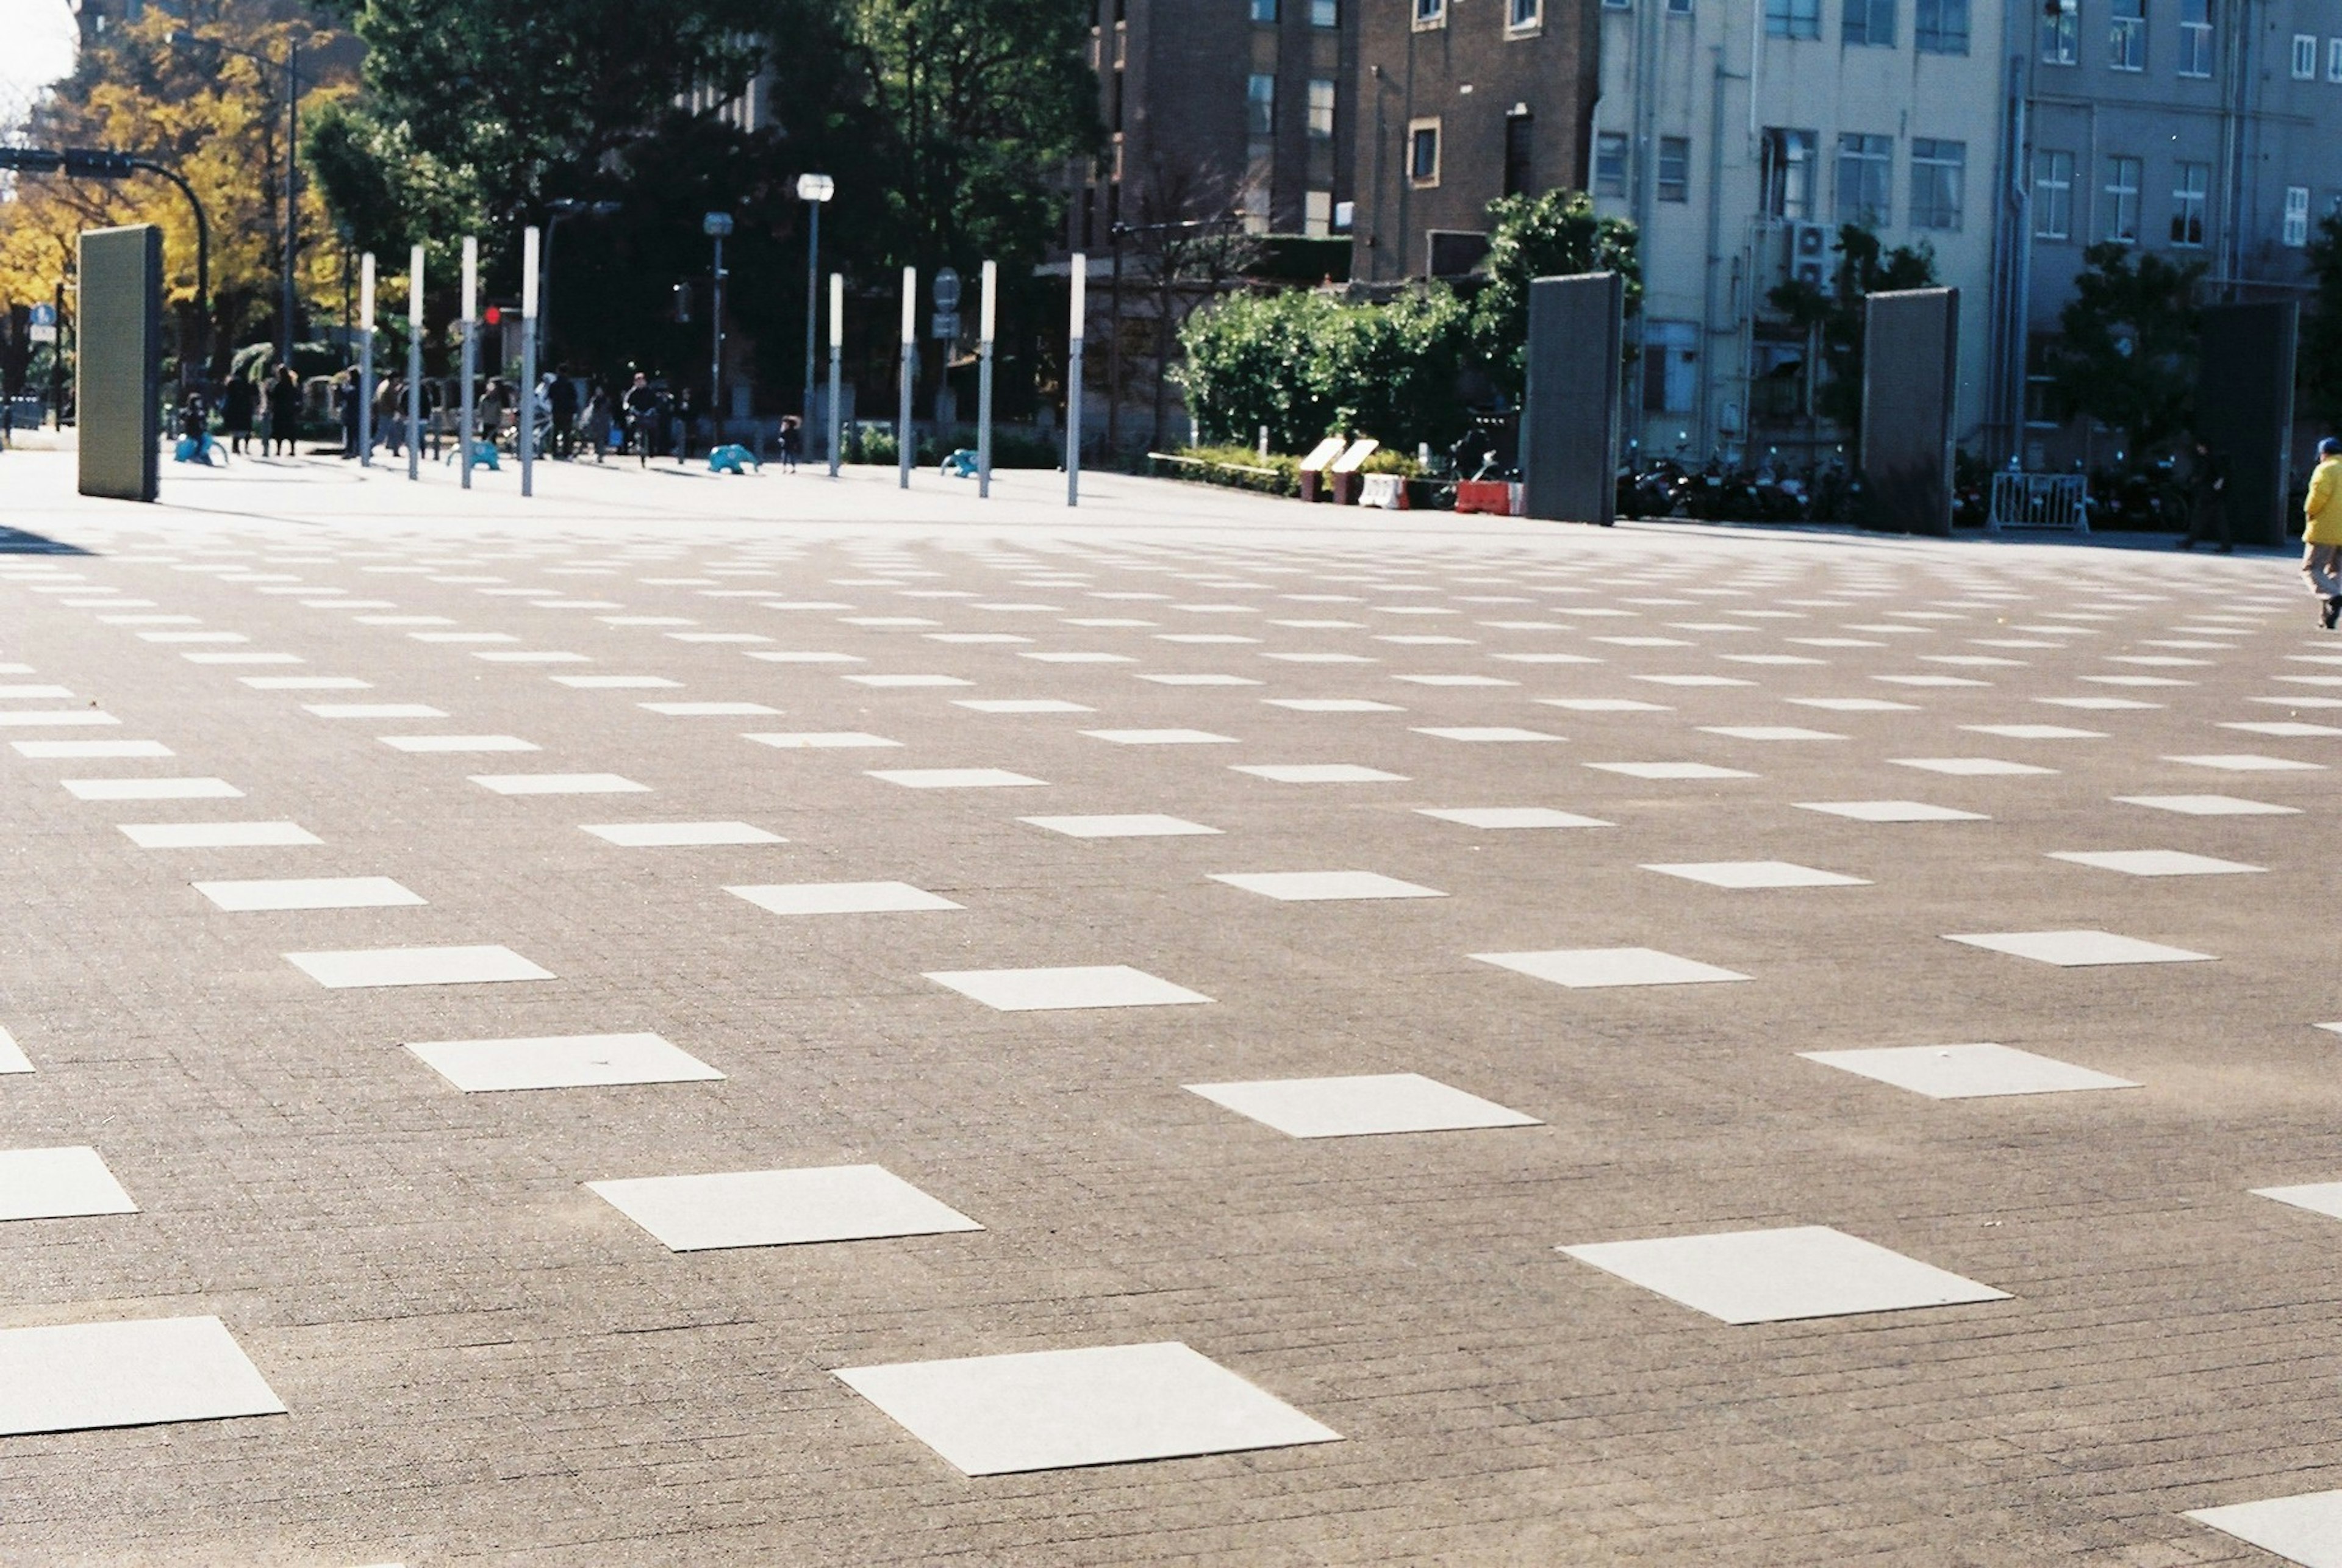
494, 315
80, 163
683, 304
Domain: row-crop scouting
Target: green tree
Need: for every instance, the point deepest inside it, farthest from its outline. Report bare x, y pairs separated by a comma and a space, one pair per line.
2126, 352
2320, 361
1307, 366
1548, 235
1864, 268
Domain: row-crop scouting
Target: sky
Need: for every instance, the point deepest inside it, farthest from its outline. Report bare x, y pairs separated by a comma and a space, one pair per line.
40, 49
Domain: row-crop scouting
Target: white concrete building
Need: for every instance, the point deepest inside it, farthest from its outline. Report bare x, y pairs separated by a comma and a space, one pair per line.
1740, 138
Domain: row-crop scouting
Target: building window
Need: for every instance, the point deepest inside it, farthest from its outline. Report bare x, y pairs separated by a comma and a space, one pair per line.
2125, 36
1260, 105
1263, 10
2189, 182
1670, 367
1866, 176
1940, 26
1430, 14
1317, 214
2122, 176
1675, 168
1616, 5
1870, 23
2305, 56
1678, 7
1523, 16
1788, 172
2194, 37
2053, 195
1252, 207
1423, 152
1793, 18
1520, 152
1609, 163
2297, 214
1321, 109
1324, 12
2334, 59
1938, 183
2061, 34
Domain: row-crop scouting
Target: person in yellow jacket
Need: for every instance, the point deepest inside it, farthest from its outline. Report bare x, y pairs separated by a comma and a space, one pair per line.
2321, 530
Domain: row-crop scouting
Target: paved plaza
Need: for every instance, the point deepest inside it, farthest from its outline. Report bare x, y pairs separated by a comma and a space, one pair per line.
772, 1022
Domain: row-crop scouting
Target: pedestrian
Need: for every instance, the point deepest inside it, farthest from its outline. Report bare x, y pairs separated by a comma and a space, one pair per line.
2321, 530
685, 410
597, 424
283, 412
236, 408
349, 394
792, 442
390, 415
561, 402
491, 411
2207, 511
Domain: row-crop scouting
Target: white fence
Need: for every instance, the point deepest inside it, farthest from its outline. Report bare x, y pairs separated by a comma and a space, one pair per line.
2041, 501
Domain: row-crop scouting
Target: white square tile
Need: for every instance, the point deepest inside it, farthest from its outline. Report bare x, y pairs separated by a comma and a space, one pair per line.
1486, 732
58, 1183
456, 743
88, 751
841, 898
1696, 680
709, 710
1140, 825
217, 834
2079, 949
888, 683
374, 710
680, 834
376, 966
1769, 733
1332, 705
2036, 732
558, 783
1046, 990
1663, 771
1055, 1410
2249, 762
152, 789
2286, 730
1079, 658
1585, 968
79, 1376
1930, 681
1891, 811
953, 778
2098, 704
1856, 704
1455, 681
57, 719
1967, 1072
1779, 1275
780, 1208
1317, 887
1202, 680
1019, 706
1161, 737
309, 892
1968, 767
2153, 862
1510, 817
822, 740
2208, 805
561, 1061
617, 683
2305, 1528
1317, 773
46, 693
1605, 705
1759, 873
1361, 1106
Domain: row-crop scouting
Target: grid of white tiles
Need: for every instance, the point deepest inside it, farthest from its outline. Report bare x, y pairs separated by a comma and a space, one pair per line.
1737, 1275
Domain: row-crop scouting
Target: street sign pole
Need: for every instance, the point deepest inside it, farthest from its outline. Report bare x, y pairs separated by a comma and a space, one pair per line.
364, 391
983, 384
526, 438
414, 363
471, 329
1078, 308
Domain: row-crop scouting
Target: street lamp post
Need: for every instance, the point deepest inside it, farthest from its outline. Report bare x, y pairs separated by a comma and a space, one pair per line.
469, 326
414, 362
526, 437
714, 225
291, 192
903, 439
985, 322
364, 389
837, 353
1076, 309
815, 190
556, 210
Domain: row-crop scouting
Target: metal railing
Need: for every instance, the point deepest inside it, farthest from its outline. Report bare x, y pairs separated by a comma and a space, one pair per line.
2058, 501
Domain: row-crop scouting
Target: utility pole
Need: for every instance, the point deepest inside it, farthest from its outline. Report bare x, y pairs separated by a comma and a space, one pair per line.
985, 321
904, 438
530, 273
815, 190
716, 225
364, 389
471, 331
1076, 308
415, 362
837, 353
292, 194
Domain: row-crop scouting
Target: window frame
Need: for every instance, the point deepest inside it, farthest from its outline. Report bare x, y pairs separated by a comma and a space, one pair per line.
1609, 144
2123, 199
1326, 15
1674, 151
2334, 59
1260, 107
2191, 196
1429, 15
1797, 20
2126, 35
2062, 27
1311, 109
1872, 37
1516, 26
2194, 40
1947, 163
1937, 37
2305, 56
1777, 171
1416, 129
1869, 155
2053, 194
2293, 231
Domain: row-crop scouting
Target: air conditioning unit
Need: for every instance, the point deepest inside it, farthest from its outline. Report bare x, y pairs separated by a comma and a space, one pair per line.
1809, 256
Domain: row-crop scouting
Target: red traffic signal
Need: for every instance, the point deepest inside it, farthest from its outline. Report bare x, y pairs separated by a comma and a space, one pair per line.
494, 315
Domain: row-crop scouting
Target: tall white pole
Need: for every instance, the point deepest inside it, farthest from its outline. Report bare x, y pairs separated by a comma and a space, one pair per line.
414, 362
903, 439
366, 360
837, 353
1078, 310
987, 321
527, 439
471, 350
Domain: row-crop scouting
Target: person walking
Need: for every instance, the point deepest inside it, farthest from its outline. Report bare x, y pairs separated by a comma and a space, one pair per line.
390, 415
236, 408
561, 404
283, 412
792, 442
597, 424
349, 394
2321, 532
2207, 511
